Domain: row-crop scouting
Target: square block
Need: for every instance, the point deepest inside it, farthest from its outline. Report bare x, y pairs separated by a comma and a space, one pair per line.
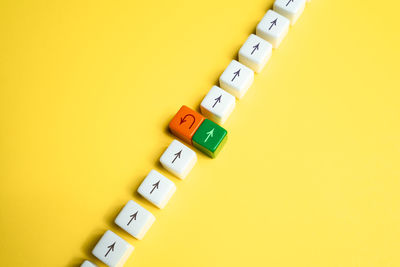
273, 28
112, 250
217, 105
135, 219
236, 79
185, 123
291, 9
88, 264
255, 53
157, 189
210, 138
178, 159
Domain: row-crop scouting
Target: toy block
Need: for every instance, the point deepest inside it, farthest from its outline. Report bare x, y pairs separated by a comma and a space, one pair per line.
217, 105
178, 159
135, 219
112, 250
210, 138
157, 189
273, 28
185, 123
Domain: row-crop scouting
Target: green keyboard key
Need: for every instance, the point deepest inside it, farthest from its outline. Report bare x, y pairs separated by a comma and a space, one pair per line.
210, 138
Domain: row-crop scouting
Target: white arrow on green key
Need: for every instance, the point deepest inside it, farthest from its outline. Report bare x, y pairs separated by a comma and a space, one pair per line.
209, 134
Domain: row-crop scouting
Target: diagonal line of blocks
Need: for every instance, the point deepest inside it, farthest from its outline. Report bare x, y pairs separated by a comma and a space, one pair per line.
202, 131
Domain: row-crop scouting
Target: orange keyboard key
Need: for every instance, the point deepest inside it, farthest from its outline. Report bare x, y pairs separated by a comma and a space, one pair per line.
185, 123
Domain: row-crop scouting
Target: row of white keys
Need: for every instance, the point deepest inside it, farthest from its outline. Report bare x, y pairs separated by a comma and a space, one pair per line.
236, 79
157, 189
136, 220
253, 56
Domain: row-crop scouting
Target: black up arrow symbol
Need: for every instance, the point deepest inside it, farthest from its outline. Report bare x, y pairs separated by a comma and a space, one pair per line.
273, 23
110, 247
177, 155
217, 100
255, 48
289, 2
155, 186
133, 217
236, 74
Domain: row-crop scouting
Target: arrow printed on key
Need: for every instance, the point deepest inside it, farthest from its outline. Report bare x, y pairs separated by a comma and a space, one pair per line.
133, 217
110, 247
177, 155
289, 2
273, 23
155, 186
209, 134
255, 48
237, 73
217, 100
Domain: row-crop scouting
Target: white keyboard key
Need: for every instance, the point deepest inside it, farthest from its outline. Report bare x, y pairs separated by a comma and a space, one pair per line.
218, 104
135, 219
178, 159
112, 250
291, 9
273, 28
236, 79
157, 189
88, 264
255, 53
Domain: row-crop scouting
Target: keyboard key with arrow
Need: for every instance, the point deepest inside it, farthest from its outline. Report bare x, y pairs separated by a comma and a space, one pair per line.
236, 79
255, 53
157, 189
273, 28
135, 219
112, 249
178, 159
218, 105
210, 138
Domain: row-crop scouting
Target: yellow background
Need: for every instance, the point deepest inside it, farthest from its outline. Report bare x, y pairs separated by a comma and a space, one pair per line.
310, 174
